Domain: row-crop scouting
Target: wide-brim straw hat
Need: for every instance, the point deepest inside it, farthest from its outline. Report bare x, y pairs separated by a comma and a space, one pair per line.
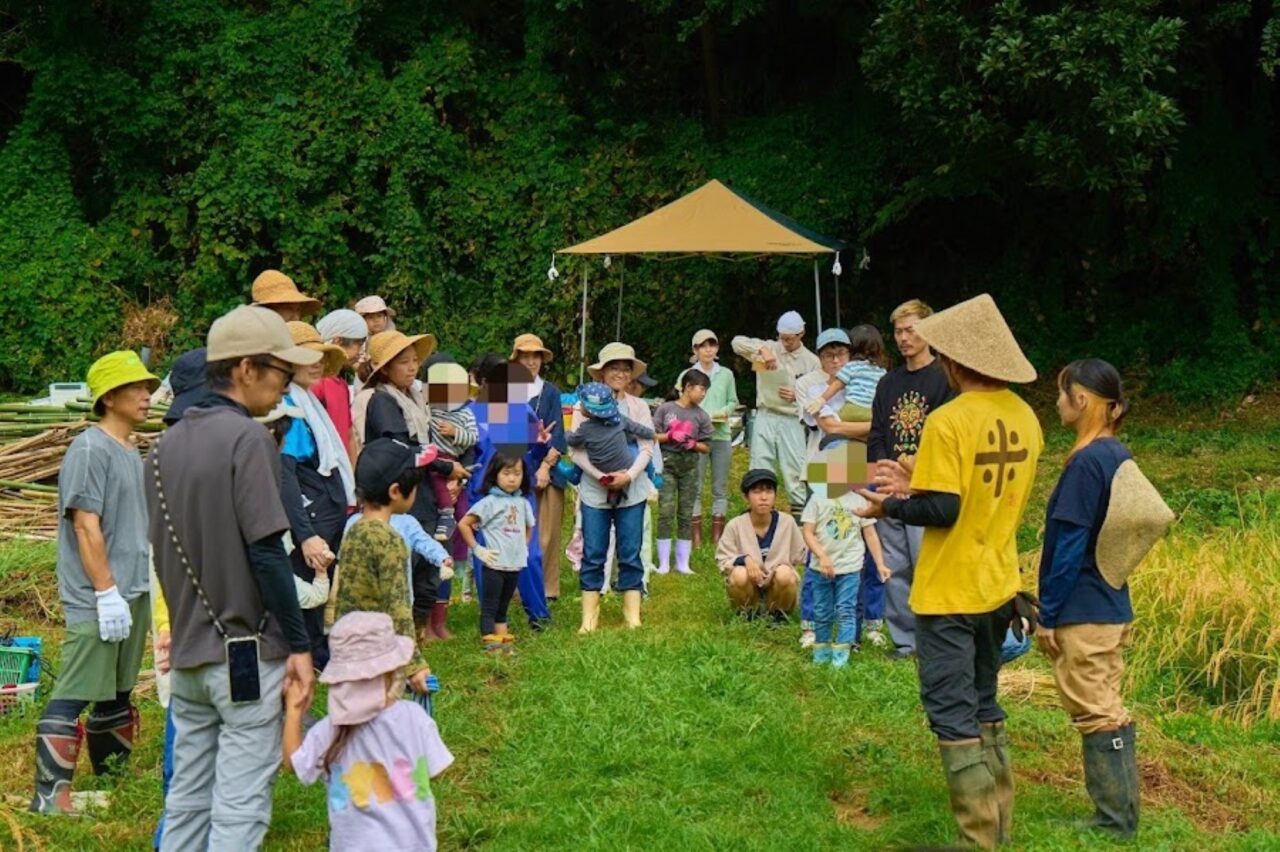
531, 343
386, 345
975, 335
305, 335
273, 287
1136, 519
617, 352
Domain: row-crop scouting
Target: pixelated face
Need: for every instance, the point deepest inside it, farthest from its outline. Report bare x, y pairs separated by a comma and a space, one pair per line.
839, 470
502, 407
448, 387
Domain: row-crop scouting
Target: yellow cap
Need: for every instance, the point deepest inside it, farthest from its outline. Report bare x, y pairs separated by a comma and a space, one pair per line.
117, 369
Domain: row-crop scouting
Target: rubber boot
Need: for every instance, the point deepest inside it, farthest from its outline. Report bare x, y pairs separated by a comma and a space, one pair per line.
839, 656
697, 531
683, 550
1111, 777
590, 612
973, 793
631, 608
664, 556
822, 653
423, 624
995, 751
110, 739
57, 750
439, 615
717, 528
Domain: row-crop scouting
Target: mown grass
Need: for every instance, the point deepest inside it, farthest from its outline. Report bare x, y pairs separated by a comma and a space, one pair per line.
704, 732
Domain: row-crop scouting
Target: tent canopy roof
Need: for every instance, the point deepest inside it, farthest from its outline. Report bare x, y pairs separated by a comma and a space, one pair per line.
713, 219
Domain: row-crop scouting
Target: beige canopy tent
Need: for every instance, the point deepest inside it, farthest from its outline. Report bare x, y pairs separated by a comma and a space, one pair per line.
714, 221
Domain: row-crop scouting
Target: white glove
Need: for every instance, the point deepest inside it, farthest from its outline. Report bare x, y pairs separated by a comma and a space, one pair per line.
446, 569
487, 555
114, 618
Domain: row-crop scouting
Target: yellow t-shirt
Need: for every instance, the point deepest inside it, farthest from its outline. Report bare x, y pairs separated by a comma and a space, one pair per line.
983, 446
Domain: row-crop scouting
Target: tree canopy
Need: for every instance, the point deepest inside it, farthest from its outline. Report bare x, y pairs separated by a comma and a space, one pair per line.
1107, 170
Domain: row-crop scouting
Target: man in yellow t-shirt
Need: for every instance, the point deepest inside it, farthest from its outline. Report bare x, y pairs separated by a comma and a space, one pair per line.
969, 487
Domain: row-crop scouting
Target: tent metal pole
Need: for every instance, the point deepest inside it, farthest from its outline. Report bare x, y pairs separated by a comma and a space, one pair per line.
582, 351
622, 280
836, 278
817, 294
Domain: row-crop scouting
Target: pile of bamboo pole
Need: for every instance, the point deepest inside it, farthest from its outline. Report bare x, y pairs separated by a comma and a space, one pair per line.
33, 442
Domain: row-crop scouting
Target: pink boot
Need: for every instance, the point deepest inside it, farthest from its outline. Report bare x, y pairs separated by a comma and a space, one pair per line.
664, 556
683, 549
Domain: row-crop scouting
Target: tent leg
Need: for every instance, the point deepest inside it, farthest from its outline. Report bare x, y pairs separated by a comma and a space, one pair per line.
837, 280
582, 351
817, 294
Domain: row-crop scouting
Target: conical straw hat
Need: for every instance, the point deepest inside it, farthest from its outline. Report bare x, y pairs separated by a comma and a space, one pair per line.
1136, 519
975, 335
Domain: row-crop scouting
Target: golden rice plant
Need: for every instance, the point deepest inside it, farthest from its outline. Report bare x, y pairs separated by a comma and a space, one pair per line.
1207, 628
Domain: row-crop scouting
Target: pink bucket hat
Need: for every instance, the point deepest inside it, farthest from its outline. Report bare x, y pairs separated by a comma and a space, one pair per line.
363, 646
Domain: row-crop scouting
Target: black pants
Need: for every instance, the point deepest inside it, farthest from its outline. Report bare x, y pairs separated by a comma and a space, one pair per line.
69, 709
426, 580
496, 589
328, 520
958, 657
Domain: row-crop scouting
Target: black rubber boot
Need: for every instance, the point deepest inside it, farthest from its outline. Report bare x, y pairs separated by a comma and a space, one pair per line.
1111, 777
57, 750
110, 739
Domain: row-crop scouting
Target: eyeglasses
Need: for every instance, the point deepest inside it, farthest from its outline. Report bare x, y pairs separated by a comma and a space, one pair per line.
267, 365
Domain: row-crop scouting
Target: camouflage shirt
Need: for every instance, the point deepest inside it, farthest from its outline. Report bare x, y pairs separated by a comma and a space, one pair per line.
372, 578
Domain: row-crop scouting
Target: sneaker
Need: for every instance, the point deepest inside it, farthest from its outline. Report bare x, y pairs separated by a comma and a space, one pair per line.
445, 525
874, 634
822, 653
493, 644
807, 638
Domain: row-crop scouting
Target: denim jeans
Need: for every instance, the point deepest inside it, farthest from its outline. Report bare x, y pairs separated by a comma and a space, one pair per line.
806, 594
628, 523
835, 604
870, 592
166, 774
1012, 649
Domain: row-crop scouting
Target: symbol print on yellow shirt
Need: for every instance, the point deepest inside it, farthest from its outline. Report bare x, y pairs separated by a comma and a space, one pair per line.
1001, 456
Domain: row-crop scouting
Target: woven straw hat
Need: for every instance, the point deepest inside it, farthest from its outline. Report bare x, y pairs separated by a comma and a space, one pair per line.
273, 287
617, 352
1136, 519
306, 336
531, 343
386, 345
975, 335
373, 305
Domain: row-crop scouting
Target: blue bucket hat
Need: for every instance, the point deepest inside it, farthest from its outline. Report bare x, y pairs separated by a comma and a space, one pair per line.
598, 400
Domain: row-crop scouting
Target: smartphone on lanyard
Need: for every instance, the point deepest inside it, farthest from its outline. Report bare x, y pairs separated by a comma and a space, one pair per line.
242, 669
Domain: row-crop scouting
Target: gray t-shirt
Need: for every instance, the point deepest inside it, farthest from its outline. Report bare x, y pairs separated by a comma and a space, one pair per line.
669, 412
504, 521
102, 476
221, 475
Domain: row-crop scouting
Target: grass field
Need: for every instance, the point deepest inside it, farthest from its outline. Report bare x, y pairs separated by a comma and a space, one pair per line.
704, 732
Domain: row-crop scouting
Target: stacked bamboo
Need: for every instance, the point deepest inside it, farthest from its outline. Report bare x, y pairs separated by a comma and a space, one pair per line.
33, 442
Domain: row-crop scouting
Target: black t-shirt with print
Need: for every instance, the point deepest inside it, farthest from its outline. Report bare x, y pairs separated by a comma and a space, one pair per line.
903, 399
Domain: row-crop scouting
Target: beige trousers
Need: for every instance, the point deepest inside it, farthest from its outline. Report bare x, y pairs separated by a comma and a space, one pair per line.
1088, 671
550, 517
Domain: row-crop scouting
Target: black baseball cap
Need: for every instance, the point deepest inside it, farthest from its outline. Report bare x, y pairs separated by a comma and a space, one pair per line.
385, 460
757, 476
186, 379
645, 381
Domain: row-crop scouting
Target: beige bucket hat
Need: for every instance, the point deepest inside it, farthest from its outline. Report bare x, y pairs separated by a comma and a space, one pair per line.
248, 330
273, 287
975, 335
531, 343
305, 335
373, 305
386, 345
1136, 519
617, 352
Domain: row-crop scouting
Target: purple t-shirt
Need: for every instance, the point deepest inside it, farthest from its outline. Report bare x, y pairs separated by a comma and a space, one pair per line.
380, 786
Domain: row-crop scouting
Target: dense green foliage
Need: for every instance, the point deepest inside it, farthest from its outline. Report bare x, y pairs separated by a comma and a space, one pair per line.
1108, 170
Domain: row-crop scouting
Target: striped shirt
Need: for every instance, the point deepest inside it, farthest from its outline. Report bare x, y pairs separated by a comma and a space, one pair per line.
860, 379
464, 422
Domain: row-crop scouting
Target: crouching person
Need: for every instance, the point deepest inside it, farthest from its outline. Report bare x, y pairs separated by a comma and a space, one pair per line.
103, 580
758, 551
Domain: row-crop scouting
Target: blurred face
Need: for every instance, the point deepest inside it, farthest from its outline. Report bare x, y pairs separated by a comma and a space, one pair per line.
695, 394
130, 402
909, 343
761, 499
511, 478
617, 375
290, 313
305, 377
707, 352
377, 322
531, 361
832, 357
263, 383
791, 342
351, 346
403, 369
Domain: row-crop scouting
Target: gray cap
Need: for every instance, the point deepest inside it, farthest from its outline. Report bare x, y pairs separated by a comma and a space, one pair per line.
248, 330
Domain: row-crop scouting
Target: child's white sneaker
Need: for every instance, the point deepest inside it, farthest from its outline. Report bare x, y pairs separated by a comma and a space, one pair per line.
874, 634
807, 638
